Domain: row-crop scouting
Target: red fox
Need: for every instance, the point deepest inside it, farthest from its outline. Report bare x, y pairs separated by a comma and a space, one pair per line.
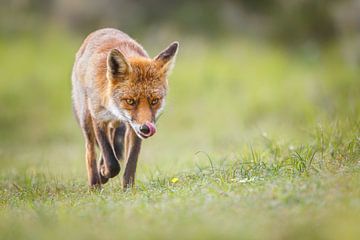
118, 92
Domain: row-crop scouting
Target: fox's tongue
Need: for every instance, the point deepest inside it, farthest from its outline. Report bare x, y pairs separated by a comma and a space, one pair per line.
152, 128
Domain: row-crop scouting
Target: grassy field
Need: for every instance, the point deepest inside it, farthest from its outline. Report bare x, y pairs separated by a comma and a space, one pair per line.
256, 142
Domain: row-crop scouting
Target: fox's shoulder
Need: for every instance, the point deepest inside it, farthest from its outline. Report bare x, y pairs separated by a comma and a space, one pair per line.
103, 40
100, 35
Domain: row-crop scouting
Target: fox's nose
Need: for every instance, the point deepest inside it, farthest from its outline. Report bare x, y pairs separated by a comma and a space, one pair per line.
147, 129
144, 129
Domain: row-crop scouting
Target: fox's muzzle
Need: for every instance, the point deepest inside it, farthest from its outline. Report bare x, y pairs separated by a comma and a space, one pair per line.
147, 129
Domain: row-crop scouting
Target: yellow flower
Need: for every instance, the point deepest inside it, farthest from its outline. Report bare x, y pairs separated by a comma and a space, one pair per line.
174, 180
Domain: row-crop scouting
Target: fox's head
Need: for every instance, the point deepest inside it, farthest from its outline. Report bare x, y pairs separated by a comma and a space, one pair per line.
138, 86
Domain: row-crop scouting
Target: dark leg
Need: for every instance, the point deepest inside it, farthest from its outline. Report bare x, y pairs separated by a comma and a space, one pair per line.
133, 145
110, 167
116, 136
119, 141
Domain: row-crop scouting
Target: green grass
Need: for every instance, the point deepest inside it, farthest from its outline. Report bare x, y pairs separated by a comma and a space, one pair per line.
265, 144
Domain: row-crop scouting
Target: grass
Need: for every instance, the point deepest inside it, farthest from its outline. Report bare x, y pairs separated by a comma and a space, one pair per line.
256, 143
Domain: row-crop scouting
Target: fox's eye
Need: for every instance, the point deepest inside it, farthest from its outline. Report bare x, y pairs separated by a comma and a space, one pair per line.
154, 101
130, 101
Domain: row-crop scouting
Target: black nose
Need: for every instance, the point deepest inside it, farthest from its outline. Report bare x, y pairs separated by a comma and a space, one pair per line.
144, 129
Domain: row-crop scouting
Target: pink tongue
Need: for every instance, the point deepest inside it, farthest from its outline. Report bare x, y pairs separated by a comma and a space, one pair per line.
152, 128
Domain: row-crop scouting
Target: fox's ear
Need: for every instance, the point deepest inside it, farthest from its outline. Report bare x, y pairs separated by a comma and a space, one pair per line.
117, 65
166, 58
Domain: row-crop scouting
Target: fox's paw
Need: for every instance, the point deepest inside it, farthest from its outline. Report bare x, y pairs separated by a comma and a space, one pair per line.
103, 179
101, 169
108, 171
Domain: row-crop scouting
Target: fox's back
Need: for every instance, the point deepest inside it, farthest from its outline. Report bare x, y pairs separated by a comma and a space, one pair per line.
91, 56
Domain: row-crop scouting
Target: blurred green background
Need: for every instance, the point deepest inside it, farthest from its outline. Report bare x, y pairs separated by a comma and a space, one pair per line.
244, 68
246, 71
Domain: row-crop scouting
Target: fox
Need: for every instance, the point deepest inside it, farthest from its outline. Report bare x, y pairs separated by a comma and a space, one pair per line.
118, 94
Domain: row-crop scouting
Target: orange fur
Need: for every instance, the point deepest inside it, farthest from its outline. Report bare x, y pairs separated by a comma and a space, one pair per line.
117, 91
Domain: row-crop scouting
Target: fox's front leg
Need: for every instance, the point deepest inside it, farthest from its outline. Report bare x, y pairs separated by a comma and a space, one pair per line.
110, 166
90, 141
132, 147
